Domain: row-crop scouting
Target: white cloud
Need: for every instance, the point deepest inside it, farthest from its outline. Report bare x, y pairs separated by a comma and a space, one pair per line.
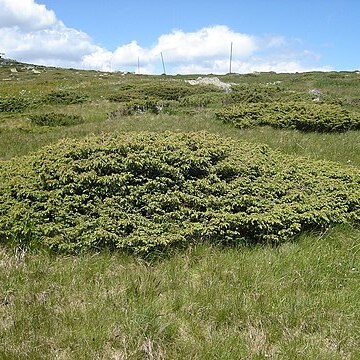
210, 42
207, 51
178, 48
55, 43
25, 14
249, 66
32, 33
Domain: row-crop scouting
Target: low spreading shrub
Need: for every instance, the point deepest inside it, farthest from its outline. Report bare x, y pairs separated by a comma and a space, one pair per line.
160, 91
296, 115
203, 100
165, 90
14, 104
143, 106
242, 115
121, 97
254, 94
63, 97
55, 119
149, 191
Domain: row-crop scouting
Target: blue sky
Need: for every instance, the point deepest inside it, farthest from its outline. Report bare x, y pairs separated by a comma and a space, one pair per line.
194, 36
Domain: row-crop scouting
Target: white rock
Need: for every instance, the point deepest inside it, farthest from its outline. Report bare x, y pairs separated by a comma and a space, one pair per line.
315, 91
210, 81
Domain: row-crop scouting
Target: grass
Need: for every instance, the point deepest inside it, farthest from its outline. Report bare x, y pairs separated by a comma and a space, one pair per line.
296, 301
340, 147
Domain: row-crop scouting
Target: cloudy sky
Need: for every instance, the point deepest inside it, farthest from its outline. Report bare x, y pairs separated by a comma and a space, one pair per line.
194, 36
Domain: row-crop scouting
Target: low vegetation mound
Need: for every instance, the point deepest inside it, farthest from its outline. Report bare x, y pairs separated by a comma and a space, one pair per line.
295, 115
55, 119
148, 191
63, 97
13, 104
162, 90
255, 94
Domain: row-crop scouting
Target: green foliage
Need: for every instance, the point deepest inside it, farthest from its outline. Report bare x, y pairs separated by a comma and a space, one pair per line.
159, 90
62, 97
141, 106
254, 94
296, 115
14, 104
208, 302
166, 90
167, 96
203, 100
261, 93
297, 301
55, 119
147, 191
121, 97
242, 115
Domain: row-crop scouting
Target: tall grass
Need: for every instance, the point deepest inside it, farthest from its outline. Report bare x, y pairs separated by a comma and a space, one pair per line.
340, 147
298, 301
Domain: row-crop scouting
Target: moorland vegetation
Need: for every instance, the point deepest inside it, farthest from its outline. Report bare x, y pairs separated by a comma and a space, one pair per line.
145, 217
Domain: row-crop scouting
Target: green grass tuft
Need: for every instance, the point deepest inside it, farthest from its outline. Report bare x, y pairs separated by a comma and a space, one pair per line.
298, 301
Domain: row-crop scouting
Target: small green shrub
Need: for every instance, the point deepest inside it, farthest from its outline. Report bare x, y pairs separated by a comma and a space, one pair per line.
149, 191
55, 119
202, 100
174, 90
297, 115
161, 90
253, 94
242, 116
144, 106
14, 104
62, 97
121, 97
164, 91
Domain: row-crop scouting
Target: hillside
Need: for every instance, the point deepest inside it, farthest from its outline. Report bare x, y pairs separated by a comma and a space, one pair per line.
167, 217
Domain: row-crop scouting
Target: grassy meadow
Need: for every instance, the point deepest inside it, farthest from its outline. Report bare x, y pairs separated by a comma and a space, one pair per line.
296, 300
